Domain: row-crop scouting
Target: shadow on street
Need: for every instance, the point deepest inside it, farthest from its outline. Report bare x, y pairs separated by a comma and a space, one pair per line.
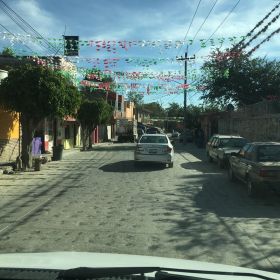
128, 166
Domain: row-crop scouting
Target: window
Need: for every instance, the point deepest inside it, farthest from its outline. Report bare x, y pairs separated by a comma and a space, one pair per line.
244, 149
268, 153
215, 141
249, 153
154, 139
233, 142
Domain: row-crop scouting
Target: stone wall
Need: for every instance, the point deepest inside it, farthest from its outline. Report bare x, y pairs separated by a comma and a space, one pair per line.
8, 150
258, 122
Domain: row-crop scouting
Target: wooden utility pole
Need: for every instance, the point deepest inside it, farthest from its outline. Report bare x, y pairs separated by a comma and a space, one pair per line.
185, 59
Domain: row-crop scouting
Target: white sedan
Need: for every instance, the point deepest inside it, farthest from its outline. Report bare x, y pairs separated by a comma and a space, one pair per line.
154, 148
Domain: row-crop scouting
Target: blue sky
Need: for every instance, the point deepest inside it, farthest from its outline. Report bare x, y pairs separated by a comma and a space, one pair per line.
129, 20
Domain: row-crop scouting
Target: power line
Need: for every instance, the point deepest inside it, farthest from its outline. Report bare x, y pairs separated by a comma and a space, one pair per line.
263, 41
25, 26
222, 22
260, 32
28, 25
205, 19
190, 25
256, 26
15, 36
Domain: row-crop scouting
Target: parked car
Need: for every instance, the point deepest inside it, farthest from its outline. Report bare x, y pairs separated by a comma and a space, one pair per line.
220, 147
154, 148
154, 130
258, 165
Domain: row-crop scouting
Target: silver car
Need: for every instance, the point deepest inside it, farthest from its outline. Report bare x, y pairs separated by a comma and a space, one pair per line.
154, 148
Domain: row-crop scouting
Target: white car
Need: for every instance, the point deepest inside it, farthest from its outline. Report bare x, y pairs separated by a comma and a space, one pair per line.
154, 148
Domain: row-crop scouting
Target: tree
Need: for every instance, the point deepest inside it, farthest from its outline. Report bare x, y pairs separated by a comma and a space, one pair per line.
135, 97
8, 52
91, 114
237, 78
175, 110
156, 109
36, 93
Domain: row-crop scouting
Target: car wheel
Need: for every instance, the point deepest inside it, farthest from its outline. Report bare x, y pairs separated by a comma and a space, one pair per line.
220, 163
251, 188
170, 165
231, 175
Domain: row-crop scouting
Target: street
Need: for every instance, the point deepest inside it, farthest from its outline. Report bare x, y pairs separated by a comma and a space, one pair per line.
98, 201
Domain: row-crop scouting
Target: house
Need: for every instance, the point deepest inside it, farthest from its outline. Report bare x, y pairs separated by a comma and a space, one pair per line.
65, 131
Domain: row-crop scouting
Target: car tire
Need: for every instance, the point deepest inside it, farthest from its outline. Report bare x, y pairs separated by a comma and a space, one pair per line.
170, 165
251, 188
231, 175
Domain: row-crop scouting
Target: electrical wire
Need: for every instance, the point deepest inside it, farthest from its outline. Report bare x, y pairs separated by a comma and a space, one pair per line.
222, 22
249, 34
28, 25
15, 36
263, 41
213, 6
25, 26
258, 34
190, 25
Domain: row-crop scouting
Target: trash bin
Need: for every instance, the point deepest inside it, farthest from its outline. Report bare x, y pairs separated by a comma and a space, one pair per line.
37, 164
57, 152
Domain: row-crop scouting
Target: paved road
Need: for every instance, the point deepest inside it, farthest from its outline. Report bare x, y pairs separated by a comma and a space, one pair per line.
98, 201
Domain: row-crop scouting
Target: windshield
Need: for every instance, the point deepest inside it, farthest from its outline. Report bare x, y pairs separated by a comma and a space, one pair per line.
269, 153
233, 142
154, 139
106, 111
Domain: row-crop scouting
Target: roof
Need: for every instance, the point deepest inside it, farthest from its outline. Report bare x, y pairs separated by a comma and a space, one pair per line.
228, 136
265, 143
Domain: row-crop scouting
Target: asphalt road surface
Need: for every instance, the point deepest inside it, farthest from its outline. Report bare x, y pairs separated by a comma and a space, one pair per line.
97, 201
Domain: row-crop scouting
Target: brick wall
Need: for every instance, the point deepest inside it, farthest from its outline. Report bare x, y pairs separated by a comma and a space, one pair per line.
8, 150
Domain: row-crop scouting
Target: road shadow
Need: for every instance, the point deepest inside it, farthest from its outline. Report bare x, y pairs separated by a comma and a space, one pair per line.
114, 147
129, 166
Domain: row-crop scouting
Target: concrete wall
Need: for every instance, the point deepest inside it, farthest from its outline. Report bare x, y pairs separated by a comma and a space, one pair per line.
9, 136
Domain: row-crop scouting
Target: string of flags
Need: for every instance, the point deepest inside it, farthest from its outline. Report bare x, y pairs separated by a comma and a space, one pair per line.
114, 45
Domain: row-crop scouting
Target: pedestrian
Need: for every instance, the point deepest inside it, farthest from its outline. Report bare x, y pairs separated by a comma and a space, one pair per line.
36, 146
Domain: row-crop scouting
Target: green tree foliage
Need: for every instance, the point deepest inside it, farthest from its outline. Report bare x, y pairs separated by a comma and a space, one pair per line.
8, 52
237, 78
91, 114
36, 93
156, 109
135, 97
175, 110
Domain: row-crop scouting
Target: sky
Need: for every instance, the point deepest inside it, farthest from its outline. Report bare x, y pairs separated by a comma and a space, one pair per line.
141, 22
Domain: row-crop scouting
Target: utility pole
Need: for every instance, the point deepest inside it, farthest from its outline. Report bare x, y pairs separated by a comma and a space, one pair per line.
186, 58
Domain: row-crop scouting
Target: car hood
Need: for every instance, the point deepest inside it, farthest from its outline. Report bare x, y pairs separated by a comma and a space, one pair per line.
70, 260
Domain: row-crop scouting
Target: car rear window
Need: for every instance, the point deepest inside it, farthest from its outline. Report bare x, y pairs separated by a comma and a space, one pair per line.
154, 139
269, 153
233, 142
